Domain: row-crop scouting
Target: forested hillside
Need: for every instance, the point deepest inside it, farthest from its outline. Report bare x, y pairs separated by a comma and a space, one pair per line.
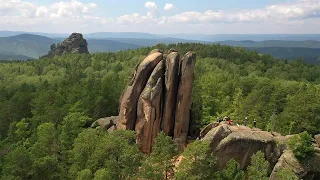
46, 105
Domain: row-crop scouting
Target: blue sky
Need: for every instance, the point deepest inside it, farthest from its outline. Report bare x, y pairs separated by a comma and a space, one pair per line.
114, 8
162, 16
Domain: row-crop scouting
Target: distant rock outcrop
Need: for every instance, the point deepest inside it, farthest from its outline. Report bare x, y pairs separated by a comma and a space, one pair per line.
75, 43
158, 98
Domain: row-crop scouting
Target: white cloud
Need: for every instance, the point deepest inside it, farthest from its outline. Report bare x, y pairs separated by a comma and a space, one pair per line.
168, 7
60, 9
152, 9
301, 9
73, 14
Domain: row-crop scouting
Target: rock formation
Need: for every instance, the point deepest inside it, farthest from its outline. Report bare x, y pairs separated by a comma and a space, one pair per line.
105, 123
241, 142
129, 101
308, 170
148, 123
182, 117
317, 138
157, 99
75, 43
171, 83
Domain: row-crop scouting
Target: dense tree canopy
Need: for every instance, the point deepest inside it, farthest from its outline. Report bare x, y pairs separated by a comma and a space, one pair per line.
47, 104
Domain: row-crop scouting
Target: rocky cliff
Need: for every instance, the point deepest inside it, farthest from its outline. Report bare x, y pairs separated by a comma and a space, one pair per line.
158, 98
75, 43
241, 142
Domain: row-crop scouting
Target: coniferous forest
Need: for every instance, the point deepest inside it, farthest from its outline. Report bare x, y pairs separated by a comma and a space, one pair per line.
48, 105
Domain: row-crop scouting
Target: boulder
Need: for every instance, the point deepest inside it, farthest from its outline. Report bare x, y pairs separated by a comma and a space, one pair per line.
171, 88
215, 135
288, 161
75, 43
240, 143
317, 138
208, 128
105, 123
308, 169
149, 110
129, 100
182, 114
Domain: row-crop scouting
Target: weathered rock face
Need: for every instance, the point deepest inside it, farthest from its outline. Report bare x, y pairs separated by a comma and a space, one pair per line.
171, 87
208, 128
105, 123
240, 143
158, 98
317, 138
150, 110
302, 171
128, 105
182, 114
75, 43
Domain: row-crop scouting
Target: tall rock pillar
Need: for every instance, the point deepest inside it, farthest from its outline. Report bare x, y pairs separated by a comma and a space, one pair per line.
128, 104
182, 115
171, 89
149, 110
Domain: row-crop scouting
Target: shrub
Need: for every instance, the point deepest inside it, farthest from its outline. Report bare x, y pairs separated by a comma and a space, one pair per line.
301, 145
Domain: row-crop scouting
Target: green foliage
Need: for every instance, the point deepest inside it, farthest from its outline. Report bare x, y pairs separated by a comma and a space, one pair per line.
84, 146
232, 171
197, 163
258, 168
102, 174
46, 105
46, 143
22, 130
159, 164
85, 174
301, 145
286, 174
116, 152
17, 164
71, 126
46, 168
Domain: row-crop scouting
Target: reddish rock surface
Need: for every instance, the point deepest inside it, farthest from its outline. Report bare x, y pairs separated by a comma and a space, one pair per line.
128, 105
171, 88
150, 110
157, 99
182, 114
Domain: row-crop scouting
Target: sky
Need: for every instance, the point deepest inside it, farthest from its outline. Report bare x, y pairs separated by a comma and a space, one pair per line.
162, 16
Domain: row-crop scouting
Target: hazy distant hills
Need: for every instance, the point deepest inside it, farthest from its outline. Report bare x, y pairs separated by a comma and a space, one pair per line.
25, 45
30, 46
15, 45
307, 50
273, 43
196, 37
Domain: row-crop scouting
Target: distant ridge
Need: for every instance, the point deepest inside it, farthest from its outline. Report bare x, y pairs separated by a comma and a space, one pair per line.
24, 46
273, 43
186, 36
135, 35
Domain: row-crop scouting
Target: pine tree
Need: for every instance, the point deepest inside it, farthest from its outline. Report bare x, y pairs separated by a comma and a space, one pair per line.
258, 168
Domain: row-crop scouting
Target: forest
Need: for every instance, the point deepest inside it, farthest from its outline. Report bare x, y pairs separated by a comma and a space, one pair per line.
47, 105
